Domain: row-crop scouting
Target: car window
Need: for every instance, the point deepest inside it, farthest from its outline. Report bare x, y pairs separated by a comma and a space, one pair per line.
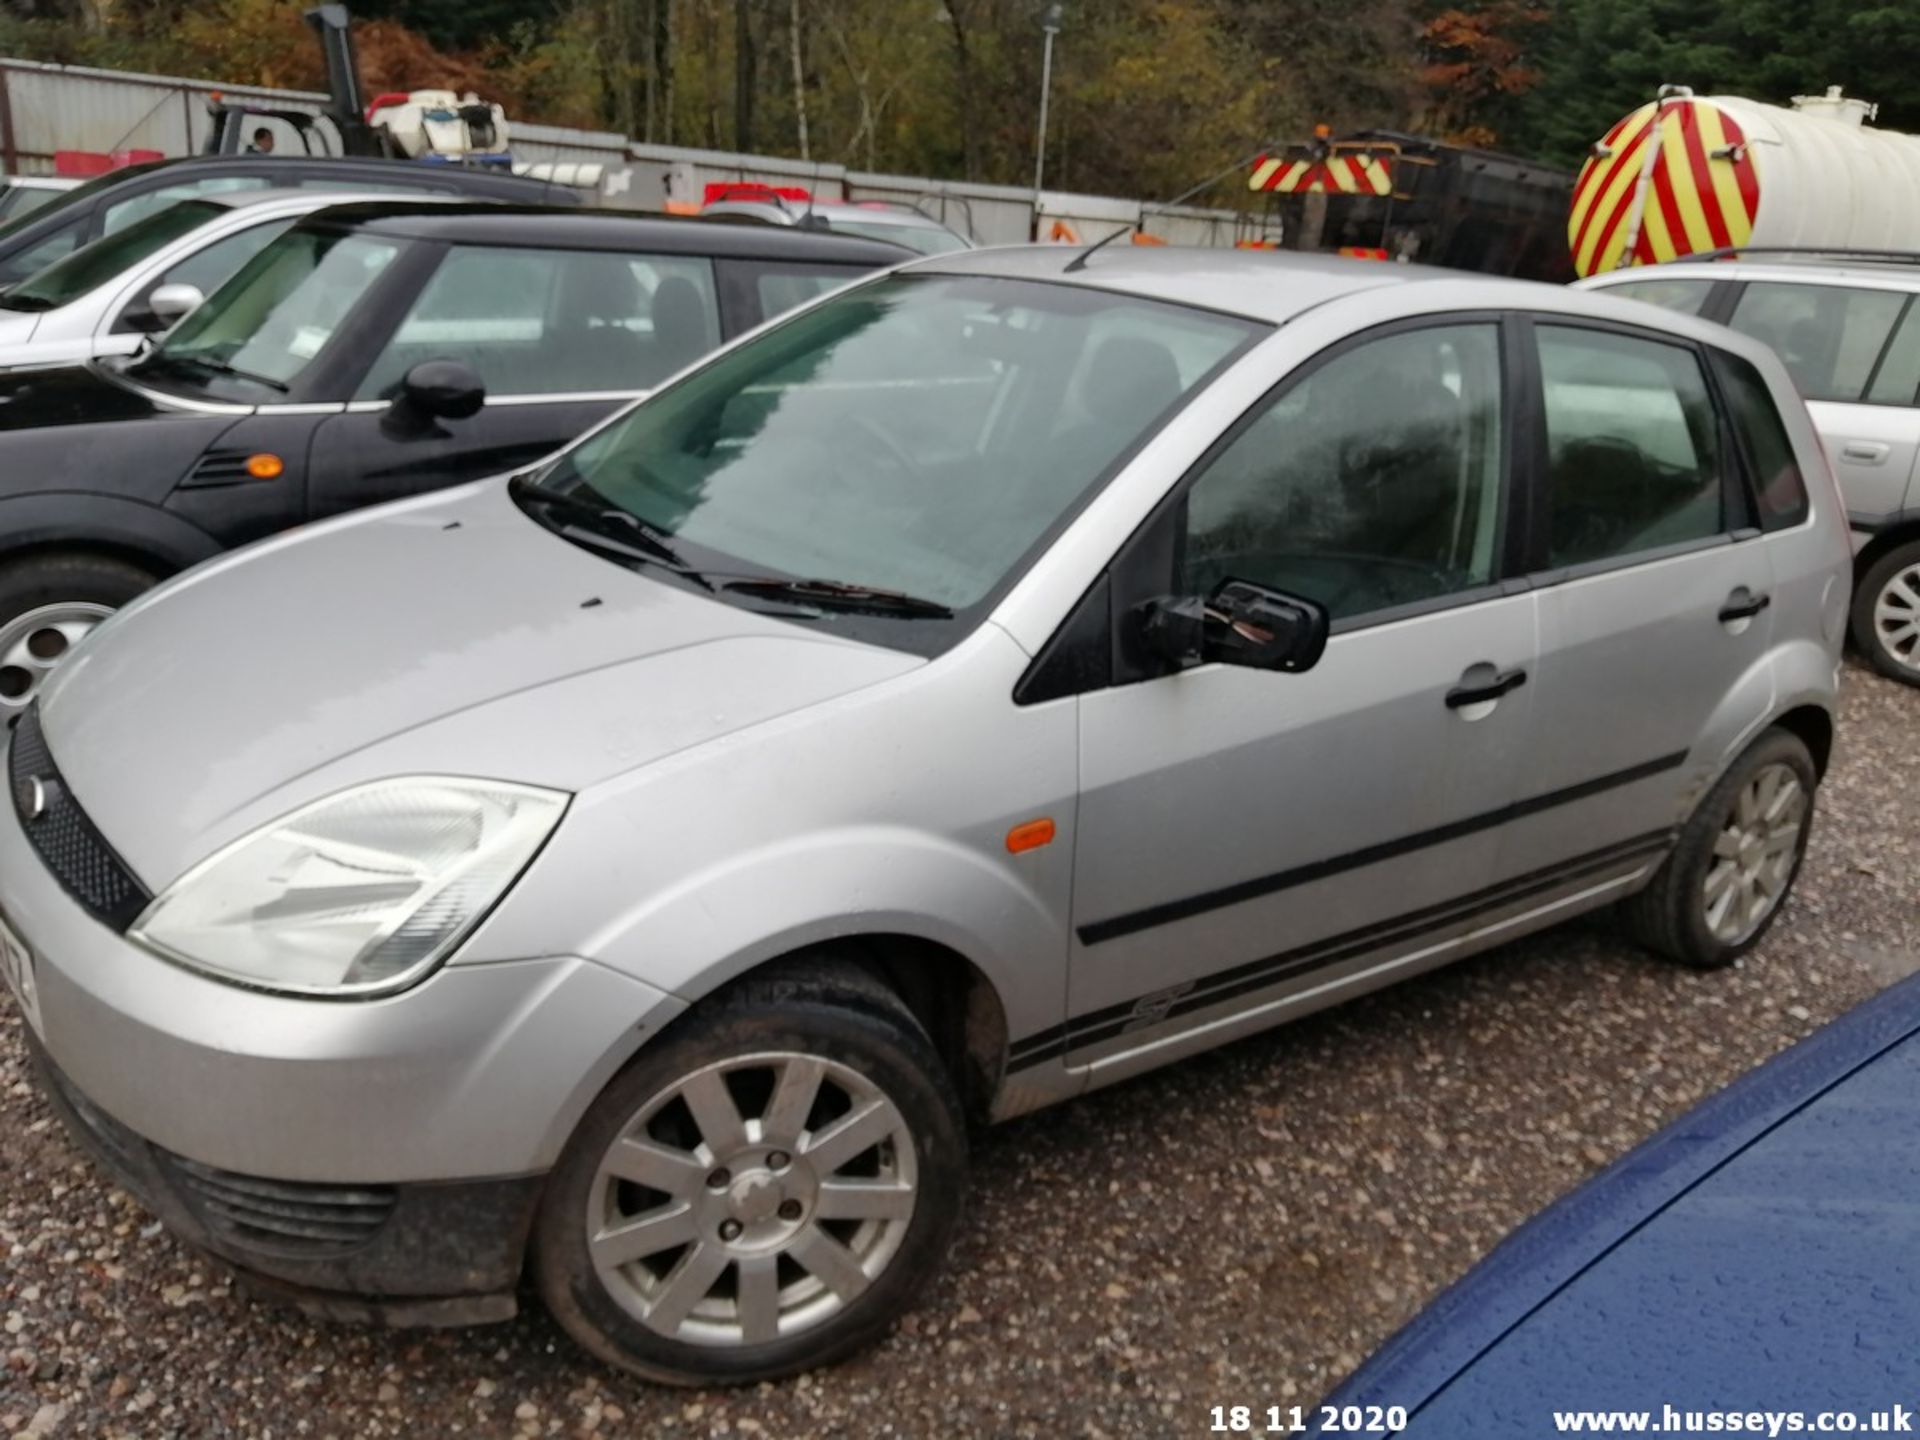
1829, 335
1373, 482
21, 200
923, 239
1633, 445
1779, 488
107, 258
209, 269
908, 434
266, 325
782, 289
543, 322
1897, 381
54, 245
1685, 296
126, 212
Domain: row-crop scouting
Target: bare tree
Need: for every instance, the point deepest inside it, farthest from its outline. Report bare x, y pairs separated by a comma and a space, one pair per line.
799, 77
743, 74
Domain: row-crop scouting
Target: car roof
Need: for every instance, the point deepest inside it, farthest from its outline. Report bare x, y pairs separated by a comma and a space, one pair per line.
793, 212
1269, 285
468, 223
1845, 1090
880, 215
1808, 270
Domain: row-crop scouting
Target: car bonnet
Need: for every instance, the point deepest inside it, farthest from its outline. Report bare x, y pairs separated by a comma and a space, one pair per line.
266, 679
1735, 1257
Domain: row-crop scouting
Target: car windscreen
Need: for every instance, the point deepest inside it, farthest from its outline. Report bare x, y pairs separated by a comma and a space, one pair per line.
92, 266
79, 195
17, 201
903, 447
923, 238
261, 329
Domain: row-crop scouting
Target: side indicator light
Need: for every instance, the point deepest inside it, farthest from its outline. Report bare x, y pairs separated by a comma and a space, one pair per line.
1030, 835
266, 467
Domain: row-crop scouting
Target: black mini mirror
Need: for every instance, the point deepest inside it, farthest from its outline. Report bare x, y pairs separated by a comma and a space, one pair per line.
1241, 623
439, 390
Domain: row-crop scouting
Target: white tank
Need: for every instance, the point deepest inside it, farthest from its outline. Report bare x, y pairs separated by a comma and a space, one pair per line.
1688, 174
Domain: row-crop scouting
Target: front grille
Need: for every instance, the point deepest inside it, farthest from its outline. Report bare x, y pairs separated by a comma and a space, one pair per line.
77, 854
284, 1216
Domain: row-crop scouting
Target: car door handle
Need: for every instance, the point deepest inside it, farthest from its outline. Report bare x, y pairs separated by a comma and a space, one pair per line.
1743, 604
1865, 452
1482, 682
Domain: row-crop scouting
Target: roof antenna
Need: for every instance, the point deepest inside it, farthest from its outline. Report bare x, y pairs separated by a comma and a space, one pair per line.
1079, 262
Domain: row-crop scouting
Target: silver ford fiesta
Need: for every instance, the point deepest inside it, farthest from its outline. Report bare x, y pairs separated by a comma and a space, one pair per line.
988, 683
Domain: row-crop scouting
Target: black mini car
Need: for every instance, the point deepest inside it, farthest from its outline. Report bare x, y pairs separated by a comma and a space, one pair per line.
371, 352
109, 202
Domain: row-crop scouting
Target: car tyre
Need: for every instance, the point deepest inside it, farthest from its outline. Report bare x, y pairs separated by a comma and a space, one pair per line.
748, 1211
1886, 614
1726, 879
47, 602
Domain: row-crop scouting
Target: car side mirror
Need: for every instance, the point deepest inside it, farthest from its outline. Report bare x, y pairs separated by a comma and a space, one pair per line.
438, 390
1241, 623
166, 307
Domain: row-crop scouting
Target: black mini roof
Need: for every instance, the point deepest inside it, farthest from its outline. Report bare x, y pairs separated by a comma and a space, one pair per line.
488, 224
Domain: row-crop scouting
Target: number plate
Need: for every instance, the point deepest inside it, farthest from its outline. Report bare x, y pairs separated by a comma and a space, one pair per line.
16, 964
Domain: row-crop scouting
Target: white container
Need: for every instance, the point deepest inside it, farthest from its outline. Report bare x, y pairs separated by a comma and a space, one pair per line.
1689, 174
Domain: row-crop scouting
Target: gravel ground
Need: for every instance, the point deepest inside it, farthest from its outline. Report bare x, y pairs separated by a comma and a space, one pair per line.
1240, 1229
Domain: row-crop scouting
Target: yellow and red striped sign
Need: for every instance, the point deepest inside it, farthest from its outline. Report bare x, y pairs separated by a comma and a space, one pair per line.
1702, 192
1356, 172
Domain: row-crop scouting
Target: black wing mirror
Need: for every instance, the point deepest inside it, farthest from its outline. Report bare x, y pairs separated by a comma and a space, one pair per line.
437, 390
1239, 624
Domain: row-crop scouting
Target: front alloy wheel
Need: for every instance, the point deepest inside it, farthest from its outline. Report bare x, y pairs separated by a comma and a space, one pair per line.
33, 643
718, 1222
763, 1189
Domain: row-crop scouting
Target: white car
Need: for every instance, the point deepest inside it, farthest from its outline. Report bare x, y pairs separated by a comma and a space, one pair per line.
1847, 327
23, 194
110, 297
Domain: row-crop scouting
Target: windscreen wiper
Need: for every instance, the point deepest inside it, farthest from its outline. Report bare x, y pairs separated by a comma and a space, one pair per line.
838, 595
31, 303
610, 528
161, 360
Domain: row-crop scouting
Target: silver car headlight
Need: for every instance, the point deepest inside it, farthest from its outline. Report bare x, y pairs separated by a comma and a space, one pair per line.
361, 892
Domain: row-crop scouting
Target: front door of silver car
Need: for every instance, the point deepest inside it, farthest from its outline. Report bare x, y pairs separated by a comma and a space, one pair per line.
1246, 835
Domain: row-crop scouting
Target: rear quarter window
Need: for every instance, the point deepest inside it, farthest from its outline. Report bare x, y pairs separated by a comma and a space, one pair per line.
1779, 488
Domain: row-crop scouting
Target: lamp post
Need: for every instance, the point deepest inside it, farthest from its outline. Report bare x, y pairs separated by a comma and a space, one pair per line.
1049, 22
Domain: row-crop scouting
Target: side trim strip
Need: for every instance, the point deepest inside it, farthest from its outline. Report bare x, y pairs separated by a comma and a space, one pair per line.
1104, 1024
1171, 910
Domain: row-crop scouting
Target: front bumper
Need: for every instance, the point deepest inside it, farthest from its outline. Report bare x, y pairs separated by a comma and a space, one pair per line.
446, 1254
478, 1072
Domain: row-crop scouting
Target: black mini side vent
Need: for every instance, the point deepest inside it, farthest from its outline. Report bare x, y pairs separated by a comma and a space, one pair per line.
220, 467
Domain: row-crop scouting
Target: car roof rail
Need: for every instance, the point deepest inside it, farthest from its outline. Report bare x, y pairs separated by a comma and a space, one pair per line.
1811, 252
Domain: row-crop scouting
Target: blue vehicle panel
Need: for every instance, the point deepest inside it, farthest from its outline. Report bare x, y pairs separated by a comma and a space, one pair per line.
1762, 1253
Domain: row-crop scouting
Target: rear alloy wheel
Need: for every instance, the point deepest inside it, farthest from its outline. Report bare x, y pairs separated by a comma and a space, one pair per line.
762, 1195
48, 603
1725, 880
1886, 614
